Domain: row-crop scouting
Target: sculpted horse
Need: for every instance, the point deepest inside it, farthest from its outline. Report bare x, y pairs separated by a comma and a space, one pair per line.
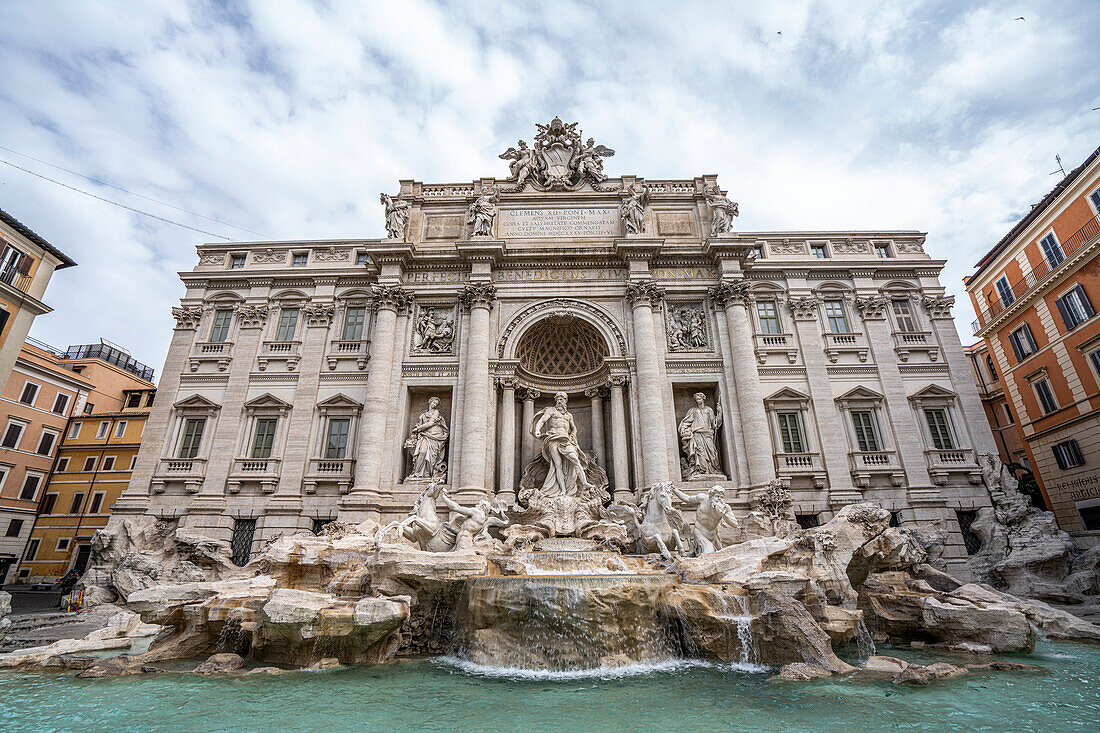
655, 524
423, 526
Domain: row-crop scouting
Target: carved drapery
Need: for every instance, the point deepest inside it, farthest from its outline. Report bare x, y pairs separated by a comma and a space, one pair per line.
686, 327
269, 257
331, 255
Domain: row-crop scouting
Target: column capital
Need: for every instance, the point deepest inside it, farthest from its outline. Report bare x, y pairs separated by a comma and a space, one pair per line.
594, 393
644, 293
187, 319
804, 309
617, 381
730, 293
479, 295
530, 394
939, 306
507, 383
391, 297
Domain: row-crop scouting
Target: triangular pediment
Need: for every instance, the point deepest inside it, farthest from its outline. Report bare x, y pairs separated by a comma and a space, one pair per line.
932, 391
860, 393
197, 401
787, 394
267, 400
338, 401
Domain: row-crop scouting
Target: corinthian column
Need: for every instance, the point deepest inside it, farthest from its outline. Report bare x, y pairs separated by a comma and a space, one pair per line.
642, 296
478, 299
732, 298
388, 300
596, 401
506, 446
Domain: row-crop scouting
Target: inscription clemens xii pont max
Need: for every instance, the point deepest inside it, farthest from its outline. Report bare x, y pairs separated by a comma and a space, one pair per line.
540, 223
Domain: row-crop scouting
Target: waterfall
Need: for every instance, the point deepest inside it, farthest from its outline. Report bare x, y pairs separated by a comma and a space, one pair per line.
865, 643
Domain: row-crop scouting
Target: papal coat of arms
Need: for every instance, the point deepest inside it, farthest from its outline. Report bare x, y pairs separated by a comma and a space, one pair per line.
559, 161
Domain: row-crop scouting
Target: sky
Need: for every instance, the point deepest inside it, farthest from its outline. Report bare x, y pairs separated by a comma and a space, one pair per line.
284, 119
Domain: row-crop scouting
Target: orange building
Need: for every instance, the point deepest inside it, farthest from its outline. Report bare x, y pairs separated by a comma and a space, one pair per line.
46, 389
1036, 294
93, 466
27, 262
998, 410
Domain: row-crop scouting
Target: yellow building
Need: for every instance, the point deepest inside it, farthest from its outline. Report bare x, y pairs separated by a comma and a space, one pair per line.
92, 468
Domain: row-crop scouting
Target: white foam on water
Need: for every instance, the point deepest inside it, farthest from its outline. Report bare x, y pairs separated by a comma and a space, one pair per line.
605, 673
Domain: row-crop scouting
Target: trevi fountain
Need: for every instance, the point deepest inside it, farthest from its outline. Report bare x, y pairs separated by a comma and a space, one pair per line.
681, 594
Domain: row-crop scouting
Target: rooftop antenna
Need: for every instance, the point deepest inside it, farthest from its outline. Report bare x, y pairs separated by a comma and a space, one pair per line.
1060, 168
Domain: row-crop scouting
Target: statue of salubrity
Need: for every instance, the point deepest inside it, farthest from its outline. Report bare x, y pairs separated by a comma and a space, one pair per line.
697, 436
428, 443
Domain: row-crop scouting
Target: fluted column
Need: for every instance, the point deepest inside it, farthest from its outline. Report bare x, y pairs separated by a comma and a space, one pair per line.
754, 421
478, 299
506, 445
619, 454
596, 401
388, 300
527, 441
642, 296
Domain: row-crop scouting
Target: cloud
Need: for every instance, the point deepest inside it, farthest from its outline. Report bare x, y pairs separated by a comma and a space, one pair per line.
287, 117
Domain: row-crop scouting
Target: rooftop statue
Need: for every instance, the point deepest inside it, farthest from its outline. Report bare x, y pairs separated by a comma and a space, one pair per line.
559, 161
482, 212
397, 216
632, 209
722, 211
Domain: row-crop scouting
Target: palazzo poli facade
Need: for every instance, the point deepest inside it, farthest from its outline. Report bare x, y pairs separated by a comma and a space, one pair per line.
309, 381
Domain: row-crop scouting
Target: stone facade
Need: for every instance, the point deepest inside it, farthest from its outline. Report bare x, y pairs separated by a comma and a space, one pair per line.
298, 369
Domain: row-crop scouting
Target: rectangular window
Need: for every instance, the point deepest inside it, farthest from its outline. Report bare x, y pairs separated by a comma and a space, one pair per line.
191, 437
863, 422
120, 428
101, 432
336, 445
30, 391
937, 426
769, 316
1094, 197
807, 521
89, 464
1022, 342
97, 503
61, 403
219, 331
62, 464
133, 462
1005, 291
353, 323
903, 316
15, 526
88, 407
12, 435
819, 251
264, 437
133, 400
1008, 414
30, 487
108, 463
1052, 251
63, 544
1094, 359
1046, 396
236, 262
1074, 307
49, 503
834, 312
1068, 454
32, 550
883, 251
360, 258
992, 370
241, 543
790, 432
78, 503
74, 431
300, 259
288, 322
758, 251
45, 443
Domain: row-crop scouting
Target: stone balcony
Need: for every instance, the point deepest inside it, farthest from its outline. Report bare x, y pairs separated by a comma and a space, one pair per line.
287, 351
264, 471
219, 352
907, 342
339, 471
942, 463
767, 344
853, 342
865, 464
801, 465
188, 471
357, 351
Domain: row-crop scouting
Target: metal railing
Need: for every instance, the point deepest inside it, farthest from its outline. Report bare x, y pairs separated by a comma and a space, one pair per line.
1035, 276
18, 280
112, 356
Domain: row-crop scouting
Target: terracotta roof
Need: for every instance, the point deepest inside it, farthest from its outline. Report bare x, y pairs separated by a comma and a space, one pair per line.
23, 229
1036, 210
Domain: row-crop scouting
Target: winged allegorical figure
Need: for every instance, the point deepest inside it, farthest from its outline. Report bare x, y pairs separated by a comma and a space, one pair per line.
588, 161
523, 163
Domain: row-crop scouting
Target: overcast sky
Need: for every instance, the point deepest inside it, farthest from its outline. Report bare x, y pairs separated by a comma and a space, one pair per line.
288, 118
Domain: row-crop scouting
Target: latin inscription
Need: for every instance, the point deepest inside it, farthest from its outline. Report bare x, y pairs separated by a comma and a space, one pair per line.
555, 223
564, 274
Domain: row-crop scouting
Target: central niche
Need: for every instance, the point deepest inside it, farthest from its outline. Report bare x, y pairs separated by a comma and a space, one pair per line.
561, 346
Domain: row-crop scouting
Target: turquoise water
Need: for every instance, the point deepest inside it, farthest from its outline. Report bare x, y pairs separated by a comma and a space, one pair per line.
431, 695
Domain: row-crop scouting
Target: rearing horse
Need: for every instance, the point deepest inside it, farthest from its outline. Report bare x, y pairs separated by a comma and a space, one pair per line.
662, 523
423, 526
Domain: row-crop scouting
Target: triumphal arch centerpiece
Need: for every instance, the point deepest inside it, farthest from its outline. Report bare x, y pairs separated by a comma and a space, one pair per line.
559, 335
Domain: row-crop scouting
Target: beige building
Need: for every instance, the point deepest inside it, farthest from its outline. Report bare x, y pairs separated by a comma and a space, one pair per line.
299, 370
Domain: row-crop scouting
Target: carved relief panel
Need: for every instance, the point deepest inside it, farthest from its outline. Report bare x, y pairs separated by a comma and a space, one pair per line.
686, 327
434, 329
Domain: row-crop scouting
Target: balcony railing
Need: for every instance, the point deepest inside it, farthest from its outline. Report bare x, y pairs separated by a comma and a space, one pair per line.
852, 341
290, 351
217, 351
956, 458
332, 470
908, 341
798, 462
774, 343
882, 460
1037, 275
188, 471
18, 280
256, 467
357, 350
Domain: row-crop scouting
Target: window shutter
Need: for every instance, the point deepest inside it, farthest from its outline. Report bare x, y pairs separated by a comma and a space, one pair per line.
1067, 317
1084, 300
25, 263
1013, 338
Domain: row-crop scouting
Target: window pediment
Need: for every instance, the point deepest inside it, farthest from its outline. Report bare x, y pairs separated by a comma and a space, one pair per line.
339, 403
787, 397
858, 395
197, 403
267, 401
